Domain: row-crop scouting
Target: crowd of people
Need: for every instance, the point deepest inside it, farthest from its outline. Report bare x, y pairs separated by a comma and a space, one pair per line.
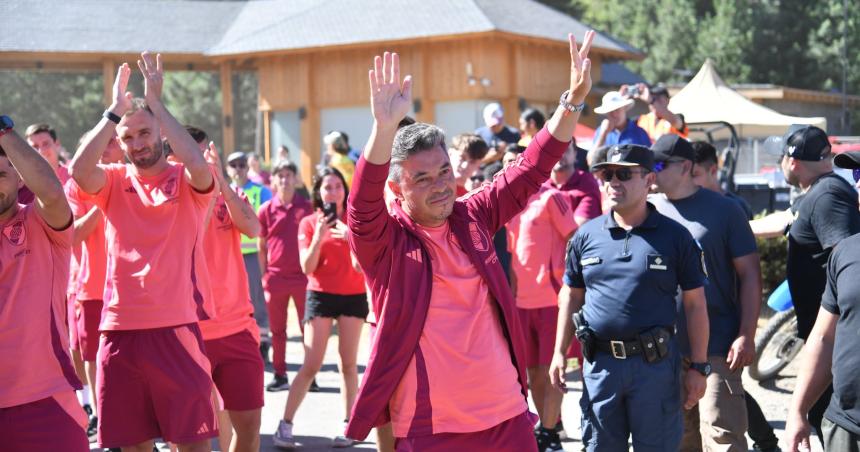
156, 280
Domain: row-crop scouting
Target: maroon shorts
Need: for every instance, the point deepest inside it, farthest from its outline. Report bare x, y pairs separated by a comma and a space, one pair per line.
237, 370
47, 425
539, 327
154, 383
71, 314
514, 435
87, 317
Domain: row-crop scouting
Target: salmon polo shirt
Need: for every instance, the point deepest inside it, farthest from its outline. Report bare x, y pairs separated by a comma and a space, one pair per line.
462, 354
157, 266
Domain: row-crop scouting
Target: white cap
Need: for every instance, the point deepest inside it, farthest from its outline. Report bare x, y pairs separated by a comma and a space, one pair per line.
493, 114
612, 101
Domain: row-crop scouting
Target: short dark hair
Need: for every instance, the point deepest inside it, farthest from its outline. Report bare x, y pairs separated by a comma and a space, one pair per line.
704, 153
535, 115
406, 121
40, 128
198, 134
285, 165
473, 145
411, 140
316, 198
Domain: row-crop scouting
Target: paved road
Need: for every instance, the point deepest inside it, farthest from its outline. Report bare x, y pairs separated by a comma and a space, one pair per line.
320, 417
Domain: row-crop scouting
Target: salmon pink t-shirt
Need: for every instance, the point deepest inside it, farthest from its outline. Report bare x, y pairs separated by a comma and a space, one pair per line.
334, 273
92, 259
154, 230
537, 240
34, 339
228, 280
463, 365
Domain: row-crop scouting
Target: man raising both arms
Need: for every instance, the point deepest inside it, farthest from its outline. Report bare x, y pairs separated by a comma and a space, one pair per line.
153, 376
448, 327
37, 376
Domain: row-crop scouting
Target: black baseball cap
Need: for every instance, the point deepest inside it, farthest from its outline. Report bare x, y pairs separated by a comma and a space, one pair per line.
801, 142
628, 155
672, 146
849, 160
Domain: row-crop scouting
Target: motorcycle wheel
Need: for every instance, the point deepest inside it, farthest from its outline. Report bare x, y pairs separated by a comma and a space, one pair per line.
776, 346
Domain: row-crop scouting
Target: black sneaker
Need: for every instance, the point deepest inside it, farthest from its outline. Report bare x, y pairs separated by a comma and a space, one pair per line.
547, 441
88, 409
279, 383
314, 386
93, 429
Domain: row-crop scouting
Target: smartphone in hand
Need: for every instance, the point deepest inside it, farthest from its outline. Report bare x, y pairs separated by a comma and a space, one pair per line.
330, 212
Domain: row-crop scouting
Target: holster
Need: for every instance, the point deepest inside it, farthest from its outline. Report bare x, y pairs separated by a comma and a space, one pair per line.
655, 344
585, 335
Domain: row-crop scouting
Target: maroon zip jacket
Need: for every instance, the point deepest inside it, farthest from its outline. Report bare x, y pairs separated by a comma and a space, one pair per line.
397, 268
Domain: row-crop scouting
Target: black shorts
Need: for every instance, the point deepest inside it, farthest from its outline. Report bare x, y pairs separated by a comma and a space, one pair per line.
321, 304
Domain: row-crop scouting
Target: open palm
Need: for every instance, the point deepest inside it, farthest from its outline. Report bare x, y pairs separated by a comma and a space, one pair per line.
390, 99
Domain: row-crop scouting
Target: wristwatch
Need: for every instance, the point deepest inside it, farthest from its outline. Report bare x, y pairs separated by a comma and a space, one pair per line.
6, 125
702, 368
568, 106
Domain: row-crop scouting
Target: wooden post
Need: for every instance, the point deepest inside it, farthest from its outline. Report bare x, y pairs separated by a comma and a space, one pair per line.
310, 130
267, 134
227, 128
108, 76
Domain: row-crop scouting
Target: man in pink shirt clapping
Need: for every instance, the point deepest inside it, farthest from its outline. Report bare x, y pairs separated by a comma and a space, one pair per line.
153, 376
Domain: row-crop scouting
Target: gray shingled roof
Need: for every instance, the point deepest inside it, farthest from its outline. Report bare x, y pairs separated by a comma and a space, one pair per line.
230, 28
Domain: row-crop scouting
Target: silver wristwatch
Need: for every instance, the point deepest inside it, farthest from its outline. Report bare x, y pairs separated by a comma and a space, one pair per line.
568, 106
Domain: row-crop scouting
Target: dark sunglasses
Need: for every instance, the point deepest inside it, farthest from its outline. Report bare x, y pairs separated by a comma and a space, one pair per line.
660, 166
856, 173
237, 165
623, 174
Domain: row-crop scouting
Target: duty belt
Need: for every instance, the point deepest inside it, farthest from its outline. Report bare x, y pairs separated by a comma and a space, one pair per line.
621, 349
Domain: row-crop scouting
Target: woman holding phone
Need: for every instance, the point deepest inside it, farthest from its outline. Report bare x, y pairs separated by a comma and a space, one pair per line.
335, 292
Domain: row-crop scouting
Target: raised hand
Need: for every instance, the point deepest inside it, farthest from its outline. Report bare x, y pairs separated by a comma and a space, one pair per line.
153, 75
390, 99
580, 68
121, 97
211, 155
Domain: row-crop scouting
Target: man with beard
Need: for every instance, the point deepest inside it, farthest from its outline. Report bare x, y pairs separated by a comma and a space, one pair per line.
37, 377
154, 378
448, 363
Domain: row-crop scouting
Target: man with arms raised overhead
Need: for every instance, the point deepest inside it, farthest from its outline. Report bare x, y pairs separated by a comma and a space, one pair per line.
37, 377
448, 363
153, 376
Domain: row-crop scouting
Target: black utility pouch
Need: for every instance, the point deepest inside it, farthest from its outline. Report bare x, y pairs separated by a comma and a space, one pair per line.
649, 347
663, 336
585, 335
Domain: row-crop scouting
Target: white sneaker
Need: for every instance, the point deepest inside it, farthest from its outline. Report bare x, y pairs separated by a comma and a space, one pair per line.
283, 437
341, 441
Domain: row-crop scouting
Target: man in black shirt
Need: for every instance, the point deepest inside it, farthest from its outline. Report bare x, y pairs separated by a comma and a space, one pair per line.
823, 216
831, 352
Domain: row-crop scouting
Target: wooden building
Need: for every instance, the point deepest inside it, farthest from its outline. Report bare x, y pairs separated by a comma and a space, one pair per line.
312, 56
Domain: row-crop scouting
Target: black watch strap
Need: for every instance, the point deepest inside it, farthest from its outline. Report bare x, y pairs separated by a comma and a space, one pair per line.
111, 116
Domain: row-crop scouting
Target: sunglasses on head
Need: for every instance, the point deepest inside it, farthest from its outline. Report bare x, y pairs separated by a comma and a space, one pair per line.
623, 174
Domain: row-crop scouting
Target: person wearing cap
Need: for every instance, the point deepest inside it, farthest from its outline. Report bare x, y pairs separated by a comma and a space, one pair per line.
496, 133
733, 294
622, 274
237, 169
617, 128
337, 154
830, 354
825, 213
659, 120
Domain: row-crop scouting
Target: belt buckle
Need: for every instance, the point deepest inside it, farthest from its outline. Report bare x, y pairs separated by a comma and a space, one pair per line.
618, 350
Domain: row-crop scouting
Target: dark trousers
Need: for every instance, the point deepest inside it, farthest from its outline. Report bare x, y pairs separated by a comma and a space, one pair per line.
255, 286
816, 414
759, 429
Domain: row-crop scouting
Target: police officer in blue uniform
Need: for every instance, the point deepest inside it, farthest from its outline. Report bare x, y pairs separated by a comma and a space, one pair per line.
623, 272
